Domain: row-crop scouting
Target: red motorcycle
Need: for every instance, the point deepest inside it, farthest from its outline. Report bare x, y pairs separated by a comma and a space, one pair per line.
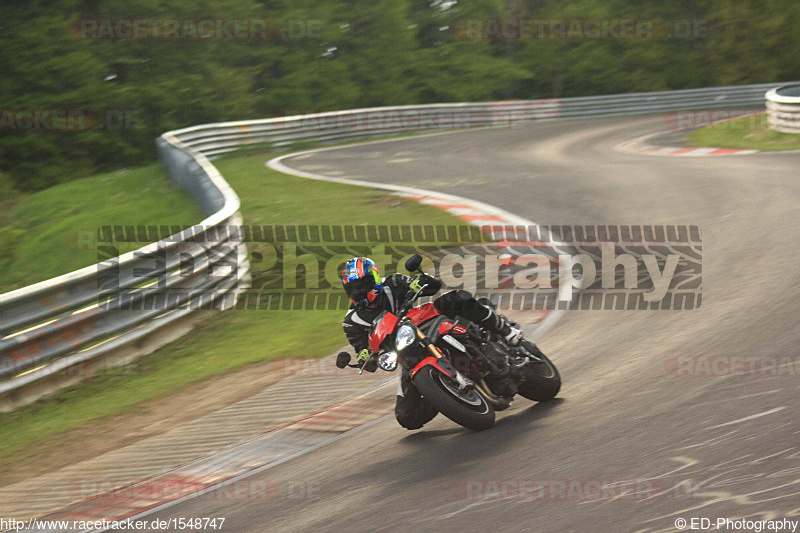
465, 372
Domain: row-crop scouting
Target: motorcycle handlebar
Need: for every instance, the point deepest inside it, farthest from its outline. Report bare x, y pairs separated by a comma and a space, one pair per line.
410, 301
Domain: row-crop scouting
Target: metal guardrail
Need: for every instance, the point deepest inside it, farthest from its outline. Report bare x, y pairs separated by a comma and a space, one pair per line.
337, 126
59, 331
783, 108
62, 330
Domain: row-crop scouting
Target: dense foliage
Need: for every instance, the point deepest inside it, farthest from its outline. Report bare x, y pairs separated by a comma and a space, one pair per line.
322, 55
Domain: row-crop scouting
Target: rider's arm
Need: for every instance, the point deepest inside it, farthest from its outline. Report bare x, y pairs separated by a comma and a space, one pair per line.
433, 285
356, 330
401, 284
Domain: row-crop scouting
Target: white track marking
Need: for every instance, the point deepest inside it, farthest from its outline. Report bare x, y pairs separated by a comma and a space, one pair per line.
511, 219
745, 419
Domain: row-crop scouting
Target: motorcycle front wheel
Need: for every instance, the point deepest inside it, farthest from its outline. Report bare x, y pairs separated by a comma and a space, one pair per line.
467, 408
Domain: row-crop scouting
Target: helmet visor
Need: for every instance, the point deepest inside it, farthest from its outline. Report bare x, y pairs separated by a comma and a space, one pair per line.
359, 288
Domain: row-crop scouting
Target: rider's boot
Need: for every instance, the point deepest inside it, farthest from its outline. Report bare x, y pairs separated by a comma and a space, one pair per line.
510, 331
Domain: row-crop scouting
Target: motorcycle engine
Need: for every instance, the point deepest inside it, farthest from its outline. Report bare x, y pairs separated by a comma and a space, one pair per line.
498, 373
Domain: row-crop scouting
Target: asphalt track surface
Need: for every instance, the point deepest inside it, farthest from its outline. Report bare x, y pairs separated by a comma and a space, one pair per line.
700, 447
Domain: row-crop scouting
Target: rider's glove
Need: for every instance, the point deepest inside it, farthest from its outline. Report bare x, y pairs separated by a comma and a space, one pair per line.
421, 280
363, 355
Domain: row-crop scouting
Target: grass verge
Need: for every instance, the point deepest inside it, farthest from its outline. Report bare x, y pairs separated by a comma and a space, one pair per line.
745, 133
43, 234
235, 338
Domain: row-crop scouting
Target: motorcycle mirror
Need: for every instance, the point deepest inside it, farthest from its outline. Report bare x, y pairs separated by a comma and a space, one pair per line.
413, 263
388, 361
342, 359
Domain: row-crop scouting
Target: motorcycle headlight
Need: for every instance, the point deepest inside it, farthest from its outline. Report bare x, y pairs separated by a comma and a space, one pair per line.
405, 336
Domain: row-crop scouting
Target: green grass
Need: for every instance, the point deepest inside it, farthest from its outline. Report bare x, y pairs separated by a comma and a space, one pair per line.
234, 338
748, 133
51, 232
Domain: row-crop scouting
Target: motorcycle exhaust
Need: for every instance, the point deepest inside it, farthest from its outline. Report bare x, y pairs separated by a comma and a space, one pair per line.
500, 403
484, 389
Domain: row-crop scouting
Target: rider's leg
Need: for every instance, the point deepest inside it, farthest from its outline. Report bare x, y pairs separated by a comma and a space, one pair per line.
461, 303
509, 330
410, 410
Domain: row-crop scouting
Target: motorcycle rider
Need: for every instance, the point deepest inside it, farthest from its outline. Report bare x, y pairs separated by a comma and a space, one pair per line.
370, 296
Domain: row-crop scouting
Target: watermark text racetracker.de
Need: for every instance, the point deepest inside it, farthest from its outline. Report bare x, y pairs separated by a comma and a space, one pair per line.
580, 29
575, 490
718, 119
154, 524
68, 120
194, 28
751, 365
431, 118
178, 486
643, 267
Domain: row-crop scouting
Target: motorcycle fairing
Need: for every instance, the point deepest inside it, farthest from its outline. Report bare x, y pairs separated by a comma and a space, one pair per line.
443, 365
379, 334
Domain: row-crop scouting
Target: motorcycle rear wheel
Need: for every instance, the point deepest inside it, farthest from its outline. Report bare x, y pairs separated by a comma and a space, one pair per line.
469, 409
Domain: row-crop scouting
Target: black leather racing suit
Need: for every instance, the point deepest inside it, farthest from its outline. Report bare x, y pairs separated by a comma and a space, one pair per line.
411, 412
